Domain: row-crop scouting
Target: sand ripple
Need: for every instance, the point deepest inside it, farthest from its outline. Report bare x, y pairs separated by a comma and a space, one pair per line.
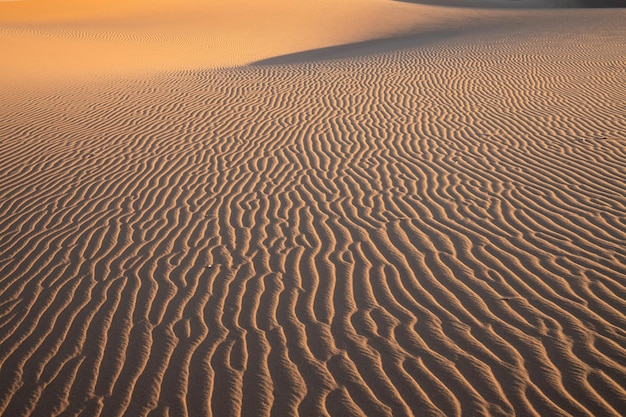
435, 231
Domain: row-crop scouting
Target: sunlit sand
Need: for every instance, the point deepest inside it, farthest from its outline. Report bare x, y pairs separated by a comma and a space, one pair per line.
324, 208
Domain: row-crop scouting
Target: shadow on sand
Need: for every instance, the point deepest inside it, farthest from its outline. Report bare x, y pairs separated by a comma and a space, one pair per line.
353, 50
497, 4
377, 46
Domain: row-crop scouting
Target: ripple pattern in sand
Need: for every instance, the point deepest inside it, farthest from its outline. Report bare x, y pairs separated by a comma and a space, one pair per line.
437, 231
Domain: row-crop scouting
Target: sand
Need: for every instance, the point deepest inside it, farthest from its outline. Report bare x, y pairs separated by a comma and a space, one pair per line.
348, 208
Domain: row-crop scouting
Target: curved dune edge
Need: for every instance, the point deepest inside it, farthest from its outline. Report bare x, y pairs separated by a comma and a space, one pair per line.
70, 39
433, 230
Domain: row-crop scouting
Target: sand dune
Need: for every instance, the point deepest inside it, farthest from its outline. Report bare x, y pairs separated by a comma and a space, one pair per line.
420, 222
46, 40
129, 38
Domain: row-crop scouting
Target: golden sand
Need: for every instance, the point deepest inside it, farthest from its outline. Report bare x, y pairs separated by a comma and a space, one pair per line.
335, 208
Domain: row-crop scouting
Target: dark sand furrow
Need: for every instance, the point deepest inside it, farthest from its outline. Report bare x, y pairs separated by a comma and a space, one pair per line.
351, 342
602, 384
57, 398
182, 336
257, 394
373, 375
321, 343
339, 403
227, 383
603, 237
284, 373
136, 352
540, 378
96, 334
287, 311
534, 293
582, 222
426, 264
348, 377
26, 359
370, 377
305, 352
530, 182
443, 399
416, 399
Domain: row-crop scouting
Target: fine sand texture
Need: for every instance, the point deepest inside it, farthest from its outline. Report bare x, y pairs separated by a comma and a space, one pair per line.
423, 215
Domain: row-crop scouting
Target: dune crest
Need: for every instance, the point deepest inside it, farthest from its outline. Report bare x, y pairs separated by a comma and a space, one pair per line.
52, 40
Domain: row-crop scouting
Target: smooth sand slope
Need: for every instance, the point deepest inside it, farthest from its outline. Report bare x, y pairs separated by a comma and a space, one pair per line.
57, 39
428, 222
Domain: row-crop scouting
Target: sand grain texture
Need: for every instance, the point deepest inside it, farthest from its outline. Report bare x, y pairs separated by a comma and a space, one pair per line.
431, 227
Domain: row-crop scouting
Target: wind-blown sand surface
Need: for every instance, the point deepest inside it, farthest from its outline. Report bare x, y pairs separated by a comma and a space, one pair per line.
424, 216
